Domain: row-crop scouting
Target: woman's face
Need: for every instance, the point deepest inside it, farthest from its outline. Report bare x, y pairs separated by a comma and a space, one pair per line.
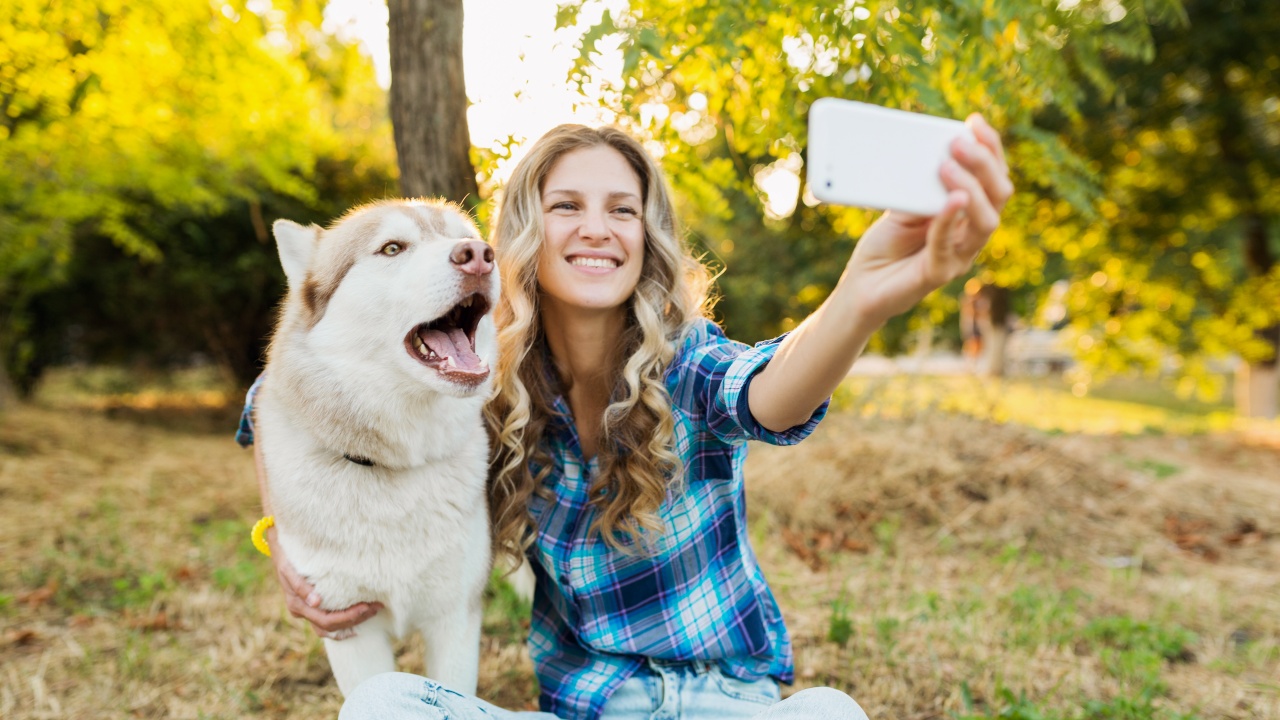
593, 226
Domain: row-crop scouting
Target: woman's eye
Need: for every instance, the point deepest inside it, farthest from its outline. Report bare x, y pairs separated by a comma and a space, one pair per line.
391, 248
627, 210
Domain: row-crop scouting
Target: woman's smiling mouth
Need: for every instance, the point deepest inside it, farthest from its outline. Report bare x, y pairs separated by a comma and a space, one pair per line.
593, 262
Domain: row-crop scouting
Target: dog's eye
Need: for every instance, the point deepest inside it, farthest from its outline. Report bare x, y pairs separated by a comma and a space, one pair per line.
392, 248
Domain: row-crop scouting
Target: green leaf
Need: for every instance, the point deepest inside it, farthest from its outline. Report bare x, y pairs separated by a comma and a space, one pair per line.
567, 13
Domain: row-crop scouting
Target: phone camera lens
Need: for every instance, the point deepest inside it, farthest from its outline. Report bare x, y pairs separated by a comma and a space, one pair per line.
828, 183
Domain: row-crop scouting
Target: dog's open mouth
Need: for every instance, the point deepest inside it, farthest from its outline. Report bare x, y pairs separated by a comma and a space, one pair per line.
448, 344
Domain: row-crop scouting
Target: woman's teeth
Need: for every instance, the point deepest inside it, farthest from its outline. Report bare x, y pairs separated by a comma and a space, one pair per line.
594, 262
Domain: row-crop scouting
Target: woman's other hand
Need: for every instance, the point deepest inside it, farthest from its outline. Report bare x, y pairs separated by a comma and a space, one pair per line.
303, 602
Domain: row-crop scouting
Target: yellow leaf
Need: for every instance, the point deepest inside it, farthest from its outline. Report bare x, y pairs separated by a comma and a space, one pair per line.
1010, 34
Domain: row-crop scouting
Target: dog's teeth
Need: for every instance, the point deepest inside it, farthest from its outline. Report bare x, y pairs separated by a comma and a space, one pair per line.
466, 303
449, 361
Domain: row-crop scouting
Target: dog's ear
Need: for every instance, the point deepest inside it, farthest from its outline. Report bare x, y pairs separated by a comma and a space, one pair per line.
297, 245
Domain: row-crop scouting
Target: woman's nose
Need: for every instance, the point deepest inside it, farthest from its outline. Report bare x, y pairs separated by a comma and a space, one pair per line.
594, 226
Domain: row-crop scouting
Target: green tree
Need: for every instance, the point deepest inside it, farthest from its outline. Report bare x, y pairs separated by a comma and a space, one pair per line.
1183, 269
724, 90
123, 123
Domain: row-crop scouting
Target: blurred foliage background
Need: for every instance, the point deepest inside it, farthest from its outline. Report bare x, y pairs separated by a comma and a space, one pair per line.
146, 147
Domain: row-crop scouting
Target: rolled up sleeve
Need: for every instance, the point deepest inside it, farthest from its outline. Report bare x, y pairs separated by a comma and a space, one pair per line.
720, 371
244, 433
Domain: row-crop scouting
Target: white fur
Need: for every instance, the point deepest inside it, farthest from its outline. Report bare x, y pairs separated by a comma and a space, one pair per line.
296, 245
412, 531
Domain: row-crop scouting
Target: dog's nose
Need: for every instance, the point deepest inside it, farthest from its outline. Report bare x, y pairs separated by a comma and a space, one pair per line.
472, 257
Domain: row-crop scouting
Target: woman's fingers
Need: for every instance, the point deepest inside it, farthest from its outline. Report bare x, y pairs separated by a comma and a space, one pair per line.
297, 592
983, 165
981, 213
295, 585
303, 601
336, 624
986, 160
988, 136
943, 259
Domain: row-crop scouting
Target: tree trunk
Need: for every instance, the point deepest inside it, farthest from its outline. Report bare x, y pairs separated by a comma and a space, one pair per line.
429, 100
1257, 386
924, 340
994, 325
1257, 390
8, 396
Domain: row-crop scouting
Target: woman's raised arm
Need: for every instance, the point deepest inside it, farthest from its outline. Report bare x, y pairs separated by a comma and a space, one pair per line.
897, 262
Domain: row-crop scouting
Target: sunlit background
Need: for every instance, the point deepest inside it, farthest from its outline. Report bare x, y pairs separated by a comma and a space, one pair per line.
516, 63
154, 137
1049, 491
1141, 133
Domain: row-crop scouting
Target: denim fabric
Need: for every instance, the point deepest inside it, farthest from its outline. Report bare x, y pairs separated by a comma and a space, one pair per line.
684, 691
401, 696
688, 691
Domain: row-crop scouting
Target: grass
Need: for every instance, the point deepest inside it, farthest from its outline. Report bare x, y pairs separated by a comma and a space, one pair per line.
1127, 405
840, 627
934, 564
1012, 572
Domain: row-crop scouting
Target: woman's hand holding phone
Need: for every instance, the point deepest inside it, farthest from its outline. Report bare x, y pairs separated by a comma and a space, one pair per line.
900, 259
904, 257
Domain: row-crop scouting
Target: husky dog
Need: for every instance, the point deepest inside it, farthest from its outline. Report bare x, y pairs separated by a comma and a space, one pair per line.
371, 433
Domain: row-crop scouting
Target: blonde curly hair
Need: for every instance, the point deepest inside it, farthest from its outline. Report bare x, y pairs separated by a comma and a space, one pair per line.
637, 462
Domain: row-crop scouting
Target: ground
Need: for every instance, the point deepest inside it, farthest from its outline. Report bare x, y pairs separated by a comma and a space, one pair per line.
931, 563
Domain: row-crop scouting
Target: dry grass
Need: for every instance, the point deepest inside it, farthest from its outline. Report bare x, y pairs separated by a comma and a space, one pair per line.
929, 564
996, 557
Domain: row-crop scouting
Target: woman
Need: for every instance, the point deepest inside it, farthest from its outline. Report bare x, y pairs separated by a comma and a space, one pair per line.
620, 422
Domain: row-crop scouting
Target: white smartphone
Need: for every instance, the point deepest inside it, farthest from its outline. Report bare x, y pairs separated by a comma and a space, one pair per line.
871, 156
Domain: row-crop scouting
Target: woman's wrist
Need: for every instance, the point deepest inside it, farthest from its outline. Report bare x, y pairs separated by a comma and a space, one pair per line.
858, 315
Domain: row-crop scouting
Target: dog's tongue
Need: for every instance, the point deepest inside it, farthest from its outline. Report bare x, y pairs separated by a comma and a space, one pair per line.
453, 343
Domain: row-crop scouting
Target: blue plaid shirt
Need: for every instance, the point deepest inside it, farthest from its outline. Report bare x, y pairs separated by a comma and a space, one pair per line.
698, 592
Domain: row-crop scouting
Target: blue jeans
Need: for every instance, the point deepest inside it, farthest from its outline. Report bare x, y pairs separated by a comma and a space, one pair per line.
685, 691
